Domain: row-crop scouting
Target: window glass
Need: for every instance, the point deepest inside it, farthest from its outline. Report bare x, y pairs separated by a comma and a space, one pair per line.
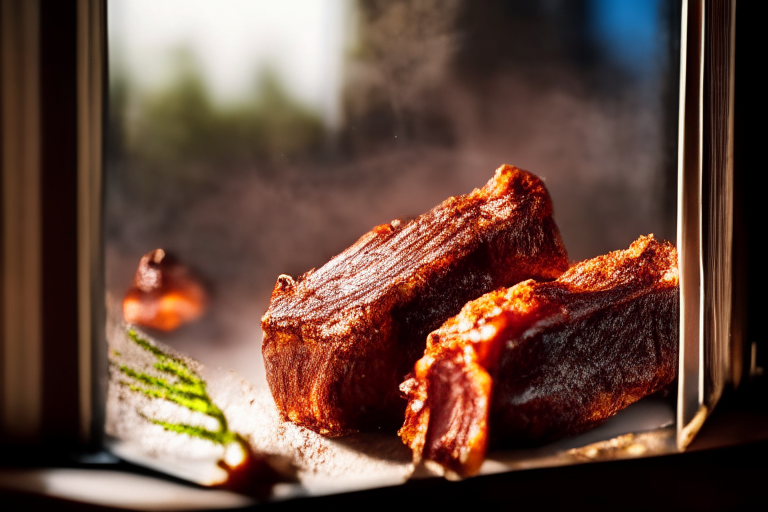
256, 138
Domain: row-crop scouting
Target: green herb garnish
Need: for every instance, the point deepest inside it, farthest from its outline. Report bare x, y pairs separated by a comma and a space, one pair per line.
183, 387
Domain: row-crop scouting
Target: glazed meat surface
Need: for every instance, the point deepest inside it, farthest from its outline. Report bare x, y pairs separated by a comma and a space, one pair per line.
339, 340
540, 361
165, 293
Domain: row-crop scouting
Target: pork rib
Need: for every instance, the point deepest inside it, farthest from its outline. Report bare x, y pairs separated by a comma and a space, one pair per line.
339, 340
540, 361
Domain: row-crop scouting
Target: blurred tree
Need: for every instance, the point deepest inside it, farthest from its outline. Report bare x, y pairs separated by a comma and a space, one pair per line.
181, 122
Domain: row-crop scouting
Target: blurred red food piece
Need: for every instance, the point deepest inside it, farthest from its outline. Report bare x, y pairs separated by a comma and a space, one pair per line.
164, 295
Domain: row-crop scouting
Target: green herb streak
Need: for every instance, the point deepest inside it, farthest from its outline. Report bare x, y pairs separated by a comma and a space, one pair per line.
183, 387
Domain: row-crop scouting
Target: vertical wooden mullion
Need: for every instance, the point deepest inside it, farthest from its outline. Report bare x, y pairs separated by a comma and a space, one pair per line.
91, 46
59, 164
690, 416
20, 339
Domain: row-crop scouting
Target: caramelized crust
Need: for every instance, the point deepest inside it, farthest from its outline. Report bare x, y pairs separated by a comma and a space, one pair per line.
338, 340
540, 361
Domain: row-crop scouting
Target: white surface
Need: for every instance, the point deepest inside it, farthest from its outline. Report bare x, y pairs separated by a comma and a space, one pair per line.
119, 489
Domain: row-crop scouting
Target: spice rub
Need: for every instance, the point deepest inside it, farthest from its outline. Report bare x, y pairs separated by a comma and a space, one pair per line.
338, 340
540, 361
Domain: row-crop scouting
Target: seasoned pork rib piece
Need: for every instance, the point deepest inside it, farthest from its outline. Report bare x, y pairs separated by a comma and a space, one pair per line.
540, 361
339, 340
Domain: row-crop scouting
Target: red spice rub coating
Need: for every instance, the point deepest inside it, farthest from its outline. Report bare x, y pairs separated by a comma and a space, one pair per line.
540, 361
340, 339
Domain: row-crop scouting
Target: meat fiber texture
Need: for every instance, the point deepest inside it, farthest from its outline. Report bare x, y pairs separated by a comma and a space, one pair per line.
339, 340
541, 361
